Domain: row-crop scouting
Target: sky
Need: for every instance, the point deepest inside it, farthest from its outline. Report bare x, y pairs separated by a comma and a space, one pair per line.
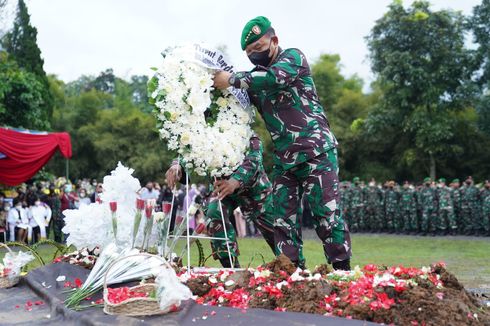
87, 36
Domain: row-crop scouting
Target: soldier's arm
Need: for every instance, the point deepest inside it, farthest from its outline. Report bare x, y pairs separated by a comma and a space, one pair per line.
246, 172
280, 74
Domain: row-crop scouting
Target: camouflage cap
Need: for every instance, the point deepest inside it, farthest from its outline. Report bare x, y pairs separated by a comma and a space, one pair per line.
254, 29
427, 179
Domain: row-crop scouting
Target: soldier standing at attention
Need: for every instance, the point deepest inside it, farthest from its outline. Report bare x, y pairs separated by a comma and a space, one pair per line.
391, 208
408, 209
356, 206
373, 199
470, 216
456, 195
485, 202
305, 150
427, 200
445, 223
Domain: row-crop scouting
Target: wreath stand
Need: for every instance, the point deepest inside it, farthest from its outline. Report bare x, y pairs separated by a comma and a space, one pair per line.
188, 236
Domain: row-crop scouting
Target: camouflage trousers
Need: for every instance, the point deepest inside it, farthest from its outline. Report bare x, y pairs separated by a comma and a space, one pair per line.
470, 218
389, 220
425, 220
317, 180
373, 218
446, 219
257, 210
398, 222
409, 219
486, 216
357, 219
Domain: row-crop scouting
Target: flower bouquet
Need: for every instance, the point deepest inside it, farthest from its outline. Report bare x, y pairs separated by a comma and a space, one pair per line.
11, 266
134, 267
146, 299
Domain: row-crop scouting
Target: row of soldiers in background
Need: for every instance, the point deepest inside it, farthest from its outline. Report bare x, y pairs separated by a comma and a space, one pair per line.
431, 208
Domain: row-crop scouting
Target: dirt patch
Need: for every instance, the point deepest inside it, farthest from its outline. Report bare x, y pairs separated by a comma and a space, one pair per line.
281, 263
421, 298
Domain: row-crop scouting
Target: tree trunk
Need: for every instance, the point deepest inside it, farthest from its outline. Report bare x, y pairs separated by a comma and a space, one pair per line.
432, 166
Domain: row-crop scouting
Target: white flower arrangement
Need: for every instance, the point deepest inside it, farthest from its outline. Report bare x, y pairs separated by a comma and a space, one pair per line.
207, 127
91, 225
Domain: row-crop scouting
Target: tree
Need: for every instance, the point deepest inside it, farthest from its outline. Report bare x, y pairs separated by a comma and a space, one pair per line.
21, 44
425, 72
21, 102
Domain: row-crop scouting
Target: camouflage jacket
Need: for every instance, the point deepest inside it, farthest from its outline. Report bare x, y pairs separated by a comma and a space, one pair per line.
469, 195
285, 96
373, 197
391, 200
444, 198
427, 198
251, 173
456, 195
408, 200
485, 200
356, 198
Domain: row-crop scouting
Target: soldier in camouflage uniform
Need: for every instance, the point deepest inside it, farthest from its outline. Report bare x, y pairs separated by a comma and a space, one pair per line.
470, 210
356, 206
391, 208
427, 201
456, 197
485, 202
344, 202
305, 153
445, 222
373, 199
408, 209
248, 188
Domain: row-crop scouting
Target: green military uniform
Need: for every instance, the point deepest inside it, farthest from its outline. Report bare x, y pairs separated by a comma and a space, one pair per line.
391, 210
305, 154
254, 197
373, 199
456, 196
344, 203
427, 201
356, 207
470, 209
445, 221
408, 210
485, 202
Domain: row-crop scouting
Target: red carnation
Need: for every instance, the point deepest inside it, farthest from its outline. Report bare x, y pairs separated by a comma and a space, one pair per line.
140, 204
113, 206
179, 220
148, 211
166, 207
200, 228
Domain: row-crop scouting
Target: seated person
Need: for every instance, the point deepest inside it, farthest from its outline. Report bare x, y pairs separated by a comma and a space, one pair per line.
18, 222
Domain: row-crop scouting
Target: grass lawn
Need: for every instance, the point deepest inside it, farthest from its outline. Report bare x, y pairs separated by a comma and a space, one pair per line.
467, 258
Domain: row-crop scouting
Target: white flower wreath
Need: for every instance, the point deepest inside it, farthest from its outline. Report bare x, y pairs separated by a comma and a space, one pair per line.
207, 127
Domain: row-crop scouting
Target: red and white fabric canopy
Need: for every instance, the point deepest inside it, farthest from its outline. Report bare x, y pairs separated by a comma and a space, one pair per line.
24, 152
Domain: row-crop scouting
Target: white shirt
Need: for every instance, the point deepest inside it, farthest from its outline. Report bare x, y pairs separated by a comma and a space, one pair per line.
17, 216
147, 194
39, 215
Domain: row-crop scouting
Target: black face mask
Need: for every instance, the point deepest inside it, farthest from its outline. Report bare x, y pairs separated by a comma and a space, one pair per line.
261, 58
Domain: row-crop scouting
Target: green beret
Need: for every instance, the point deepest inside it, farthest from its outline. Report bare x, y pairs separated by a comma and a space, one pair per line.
442, 180
356, 179
427, 179
456, 181
254, 29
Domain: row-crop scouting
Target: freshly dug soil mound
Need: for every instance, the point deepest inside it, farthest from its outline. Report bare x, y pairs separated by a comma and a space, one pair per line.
389, 295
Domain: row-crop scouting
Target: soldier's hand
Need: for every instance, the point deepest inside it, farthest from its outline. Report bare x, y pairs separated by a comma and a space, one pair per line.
223, 188
173, 175
221, 79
